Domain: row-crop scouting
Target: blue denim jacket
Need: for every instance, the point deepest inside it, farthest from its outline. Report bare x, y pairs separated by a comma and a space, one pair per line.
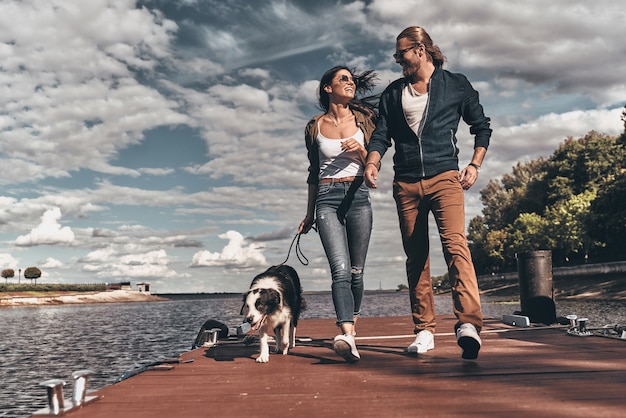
451, 97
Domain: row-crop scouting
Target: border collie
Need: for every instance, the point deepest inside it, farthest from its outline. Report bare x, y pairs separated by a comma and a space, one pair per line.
274, 302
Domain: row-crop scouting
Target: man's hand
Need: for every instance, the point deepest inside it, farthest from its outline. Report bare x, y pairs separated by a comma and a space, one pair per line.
469, 175
371, 175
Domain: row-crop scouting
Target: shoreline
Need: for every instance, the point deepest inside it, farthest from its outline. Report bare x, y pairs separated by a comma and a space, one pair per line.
606, 287
74, 298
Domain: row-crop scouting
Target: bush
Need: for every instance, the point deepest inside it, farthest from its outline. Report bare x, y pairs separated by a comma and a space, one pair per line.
49, 287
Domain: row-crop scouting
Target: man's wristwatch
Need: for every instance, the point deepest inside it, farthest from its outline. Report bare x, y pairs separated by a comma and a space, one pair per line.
476, 166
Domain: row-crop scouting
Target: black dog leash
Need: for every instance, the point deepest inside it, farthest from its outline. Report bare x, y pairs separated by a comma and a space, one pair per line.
299, 252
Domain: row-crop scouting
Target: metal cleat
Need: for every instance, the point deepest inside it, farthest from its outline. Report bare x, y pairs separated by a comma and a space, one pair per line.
213, 335
54, 388
81, 378
572, 320
578, 326
56, 403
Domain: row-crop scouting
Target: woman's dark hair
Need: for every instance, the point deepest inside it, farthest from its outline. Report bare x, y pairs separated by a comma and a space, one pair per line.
364, 83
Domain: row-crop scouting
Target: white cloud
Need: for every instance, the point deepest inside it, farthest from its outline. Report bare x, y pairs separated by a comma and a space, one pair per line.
256, 73
8, 261
235, 254
48, 232
157, 171
102, 255
69, 86
125, 262
542, 136
51, 263
246, 97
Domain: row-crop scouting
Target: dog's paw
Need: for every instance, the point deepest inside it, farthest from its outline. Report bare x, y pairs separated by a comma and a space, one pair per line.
282, 351
263, 359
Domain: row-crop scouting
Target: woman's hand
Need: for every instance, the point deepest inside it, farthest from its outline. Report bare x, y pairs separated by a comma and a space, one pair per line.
352, 145
306, 224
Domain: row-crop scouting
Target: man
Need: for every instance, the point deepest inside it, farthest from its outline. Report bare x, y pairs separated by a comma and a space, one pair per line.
420, 113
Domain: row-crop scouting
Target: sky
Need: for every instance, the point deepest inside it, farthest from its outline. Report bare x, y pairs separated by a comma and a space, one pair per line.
163, 141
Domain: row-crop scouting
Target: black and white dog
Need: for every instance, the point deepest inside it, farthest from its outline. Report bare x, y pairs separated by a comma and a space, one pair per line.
274, 302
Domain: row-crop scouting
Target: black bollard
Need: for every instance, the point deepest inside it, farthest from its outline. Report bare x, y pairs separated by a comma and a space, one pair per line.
534, 270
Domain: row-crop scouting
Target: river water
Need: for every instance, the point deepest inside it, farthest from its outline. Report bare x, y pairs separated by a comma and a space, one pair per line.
46, 342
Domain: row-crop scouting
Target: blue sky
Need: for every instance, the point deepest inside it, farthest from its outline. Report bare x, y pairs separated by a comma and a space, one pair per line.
162, 141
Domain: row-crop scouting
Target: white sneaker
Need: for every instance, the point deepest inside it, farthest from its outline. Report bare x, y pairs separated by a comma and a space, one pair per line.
468, 339
424, 341
345, 347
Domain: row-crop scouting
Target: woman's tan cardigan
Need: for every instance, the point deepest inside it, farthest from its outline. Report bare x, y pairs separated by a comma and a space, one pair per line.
365, 122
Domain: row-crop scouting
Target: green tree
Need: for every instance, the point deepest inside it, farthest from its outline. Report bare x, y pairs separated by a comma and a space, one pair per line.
567, 227
569, 203
607, 219
622, 138
8, 274
515, 193
32, 273
584, 164
477, 236
527, 233
522, 191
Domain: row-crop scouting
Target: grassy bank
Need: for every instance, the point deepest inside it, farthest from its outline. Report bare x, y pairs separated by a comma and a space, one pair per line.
48, 289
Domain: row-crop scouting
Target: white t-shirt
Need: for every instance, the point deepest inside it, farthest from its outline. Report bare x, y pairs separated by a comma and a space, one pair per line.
414, 105
336, 163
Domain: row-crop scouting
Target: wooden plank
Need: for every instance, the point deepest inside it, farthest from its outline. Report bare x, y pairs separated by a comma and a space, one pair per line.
520, 372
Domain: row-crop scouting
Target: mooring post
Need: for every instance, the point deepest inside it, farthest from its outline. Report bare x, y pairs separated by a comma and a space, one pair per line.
534, 271
81, 378
54, 387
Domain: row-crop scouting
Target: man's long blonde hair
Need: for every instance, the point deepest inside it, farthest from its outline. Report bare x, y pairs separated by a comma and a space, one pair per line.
419, 36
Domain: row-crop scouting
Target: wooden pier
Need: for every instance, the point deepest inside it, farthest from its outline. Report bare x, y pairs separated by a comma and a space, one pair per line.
520, 372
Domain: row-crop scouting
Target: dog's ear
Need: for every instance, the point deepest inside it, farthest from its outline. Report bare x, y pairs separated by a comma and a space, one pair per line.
273, 296
245, 296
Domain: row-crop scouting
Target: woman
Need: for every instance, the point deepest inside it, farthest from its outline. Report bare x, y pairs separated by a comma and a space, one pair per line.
337, 149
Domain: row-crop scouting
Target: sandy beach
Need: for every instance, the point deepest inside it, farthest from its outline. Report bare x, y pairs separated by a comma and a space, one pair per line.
72, 298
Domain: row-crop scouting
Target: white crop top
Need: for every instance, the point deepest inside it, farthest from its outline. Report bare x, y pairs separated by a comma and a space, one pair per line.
336, 163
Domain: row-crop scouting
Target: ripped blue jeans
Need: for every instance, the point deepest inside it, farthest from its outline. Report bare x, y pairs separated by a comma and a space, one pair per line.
344, 223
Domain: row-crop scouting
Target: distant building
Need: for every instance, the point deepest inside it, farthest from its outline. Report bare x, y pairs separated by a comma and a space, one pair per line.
119, 286
143, 287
